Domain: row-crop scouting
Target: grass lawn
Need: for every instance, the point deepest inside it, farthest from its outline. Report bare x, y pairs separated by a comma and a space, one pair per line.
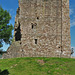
38, 66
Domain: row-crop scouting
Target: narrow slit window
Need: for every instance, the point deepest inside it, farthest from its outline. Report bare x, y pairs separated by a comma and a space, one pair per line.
35, 41
32, 26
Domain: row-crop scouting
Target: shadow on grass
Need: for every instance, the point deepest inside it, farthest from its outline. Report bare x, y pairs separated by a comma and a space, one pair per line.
4, 72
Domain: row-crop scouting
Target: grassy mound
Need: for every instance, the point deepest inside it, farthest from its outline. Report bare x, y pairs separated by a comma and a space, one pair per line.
37, 66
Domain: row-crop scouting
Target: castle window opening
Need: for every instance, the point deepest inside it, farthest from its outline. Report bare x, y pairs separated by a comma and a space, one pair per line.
35, 41
32, 26
38, 18
20, 43
59, 47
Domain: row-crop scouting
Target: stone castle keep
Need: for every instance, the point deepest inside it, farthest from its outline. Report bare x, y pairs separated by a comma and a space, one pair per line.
42, 29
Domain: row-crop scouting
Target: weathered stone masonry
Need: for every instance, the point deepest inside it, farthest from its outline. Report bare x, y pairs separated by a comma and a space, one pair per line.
42, 29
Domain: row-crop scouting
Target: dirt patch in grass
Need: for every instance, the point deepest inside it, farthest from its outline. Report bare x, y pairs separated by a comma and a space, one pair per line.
41, 62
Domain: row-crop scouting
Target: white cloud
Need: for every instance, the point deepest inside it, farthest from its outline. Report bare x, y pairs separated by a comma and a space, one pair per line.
72, 17
12, 13
72, 47
72, 23
71, 11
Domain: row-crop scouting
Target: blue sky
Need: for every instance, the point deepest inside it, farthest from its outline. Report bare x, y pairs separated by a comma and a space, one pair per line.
12, 5
72, 23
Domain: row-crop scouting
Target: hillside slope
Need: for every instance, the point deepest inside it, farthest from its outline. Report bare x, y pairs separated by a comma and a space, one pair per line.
37, 66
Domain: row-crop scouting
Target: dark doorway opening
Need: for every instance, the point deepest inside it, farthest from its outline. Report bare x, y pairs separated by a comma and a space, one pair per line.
18, 34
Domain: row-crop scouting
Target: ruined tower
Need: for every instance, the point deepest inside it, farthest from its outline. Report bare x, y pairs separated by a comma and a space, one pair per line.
42, 29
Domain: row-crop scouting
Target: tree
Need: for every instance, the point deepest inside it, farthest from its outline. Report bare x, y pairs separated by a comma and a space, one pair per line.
5, 27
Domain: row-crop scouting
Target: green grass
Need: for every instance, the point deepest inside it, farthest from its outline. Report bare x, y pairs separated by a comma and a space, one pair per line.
38, 66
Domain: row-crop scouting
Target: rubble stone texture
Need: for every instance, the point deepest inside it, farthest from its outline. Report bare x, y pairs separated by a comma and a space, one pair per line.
42, 29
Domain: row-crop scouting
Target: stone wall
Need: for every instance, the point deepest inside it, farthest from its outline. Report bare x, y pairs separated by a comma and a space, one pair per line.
42, 29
